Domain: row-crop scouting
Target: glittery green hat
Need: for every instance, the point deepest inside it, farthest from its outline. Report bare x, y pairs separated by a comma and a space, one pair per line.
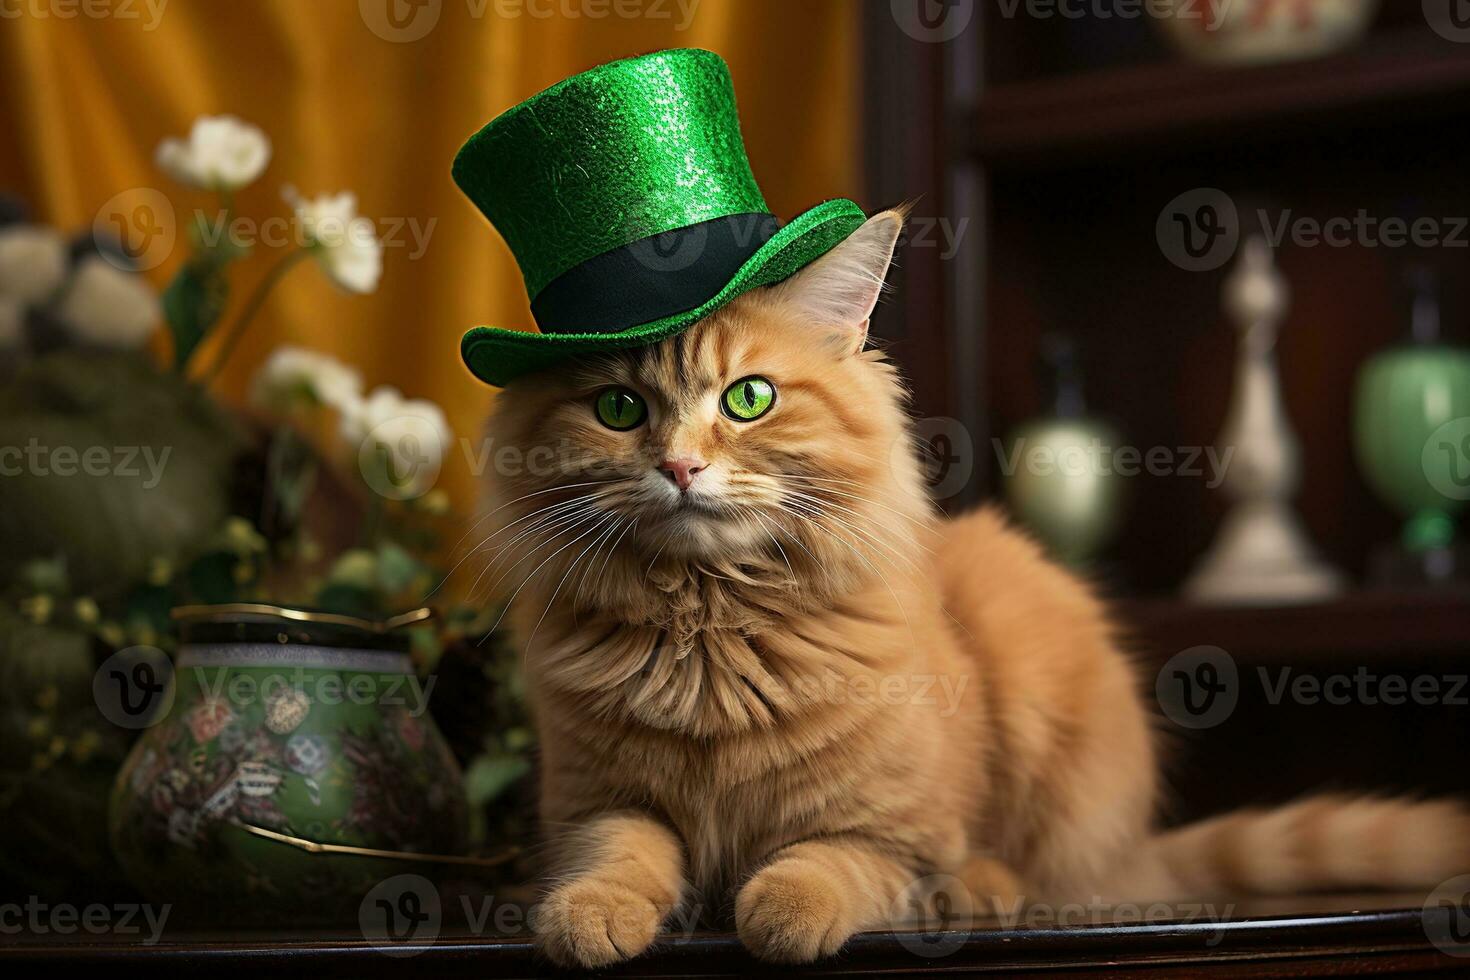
625, 194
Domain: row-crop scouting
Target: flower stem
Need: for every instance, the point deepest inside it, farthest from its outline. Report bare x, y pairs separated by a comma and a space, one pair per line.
236, 330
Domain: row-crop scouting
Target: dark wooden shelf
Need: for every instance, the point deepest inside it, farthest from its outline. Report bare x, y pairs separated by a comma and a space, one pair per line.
1359, 626
1300, 937
1180, 107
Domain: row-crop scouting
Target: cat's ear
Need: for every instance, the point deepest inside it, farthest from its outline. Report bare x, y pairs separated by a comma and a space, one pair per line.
840, 289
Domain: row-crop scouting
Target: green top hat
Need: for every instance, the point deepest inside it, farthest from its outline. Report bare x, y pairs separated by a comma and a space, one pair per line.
625, 194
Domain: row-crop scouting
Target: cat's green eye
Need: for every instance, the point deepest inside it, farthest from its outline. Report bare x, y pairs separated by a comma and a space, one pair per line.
749, 398
620, 408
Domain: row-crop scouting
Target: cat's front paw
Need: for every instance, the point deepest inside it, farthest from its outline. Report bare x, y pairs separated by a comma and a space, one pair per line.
594, 922
793, 912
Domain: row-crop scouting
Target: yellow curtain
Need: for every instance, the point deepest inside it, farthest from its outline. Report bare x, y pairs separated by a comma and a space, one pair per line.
353, 98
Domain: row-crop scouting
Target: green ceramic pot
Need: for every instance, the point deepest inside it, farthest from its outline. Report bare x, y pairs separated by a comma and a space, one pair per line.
1412, 437
308, 726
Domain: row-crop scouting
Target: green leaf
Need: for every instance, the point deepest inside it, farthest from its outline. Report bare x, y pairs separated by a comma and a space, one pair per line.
397, 569
291, 471
192, 303
489, 776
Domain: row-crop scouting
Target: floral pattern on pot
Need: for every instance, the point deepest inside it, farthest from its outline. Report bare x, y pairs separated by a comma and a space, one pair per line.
303, 760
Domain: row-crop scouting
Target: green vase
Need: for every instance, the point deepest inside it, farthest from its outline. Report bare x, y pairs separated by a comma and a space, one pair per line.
1064, 486
1411, 426
1411, 431
1061, 481
300, 725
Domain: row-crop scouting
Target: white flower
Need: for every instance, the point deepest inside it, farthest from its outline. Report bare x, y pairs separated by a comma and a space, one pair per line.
222, 154
292, 374
106, 306
32, 262
345, 244
401, 442
12, 323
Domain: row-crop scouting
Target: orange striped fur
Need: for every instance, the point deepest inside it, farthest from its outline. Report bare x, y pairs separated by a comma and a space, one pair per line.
790, 699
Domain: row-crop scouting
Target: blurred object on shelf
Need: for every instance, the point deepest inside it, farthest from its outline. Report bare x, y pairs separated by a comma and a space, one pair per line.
1411, 432
131, 488
1261, 553
308, 724
1241, 32
1062, 482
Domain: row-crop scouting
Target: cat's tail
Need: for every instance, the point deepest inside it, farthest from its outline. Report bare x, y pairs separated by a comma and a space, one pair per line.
1322, 843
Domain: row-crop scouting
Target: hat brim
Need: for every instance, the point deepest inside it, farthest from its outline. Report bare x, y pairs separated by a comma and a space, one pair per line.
498, 356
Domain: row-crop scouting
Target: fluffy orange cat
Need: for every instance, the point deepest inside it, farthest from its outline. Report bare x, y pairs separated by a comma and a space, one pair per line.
771, 680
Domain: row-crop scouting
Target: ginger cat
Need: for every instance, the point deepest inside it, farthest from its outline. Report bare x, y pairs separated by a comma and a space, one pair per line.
770, 679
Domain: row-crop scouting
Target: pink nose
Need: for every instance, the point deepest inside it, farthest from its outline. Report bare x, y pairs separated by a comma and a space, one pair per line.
683, 470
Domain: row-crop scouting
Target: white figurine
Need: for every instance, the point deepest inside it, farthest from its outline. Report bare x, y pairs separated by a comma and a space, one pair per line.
1261, 555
